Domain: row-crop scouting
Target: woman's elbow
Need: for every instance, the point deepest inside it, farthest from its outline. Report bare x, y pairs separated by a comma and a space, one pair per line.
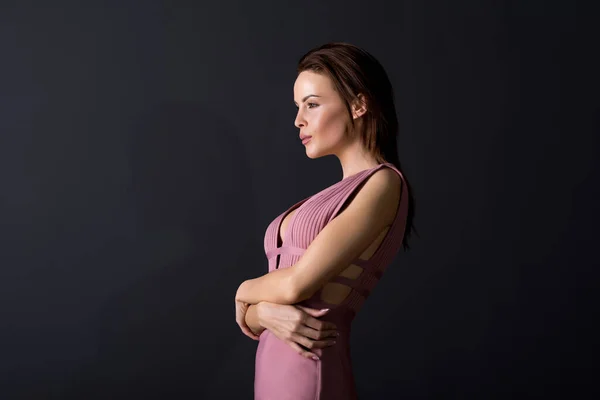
296, 293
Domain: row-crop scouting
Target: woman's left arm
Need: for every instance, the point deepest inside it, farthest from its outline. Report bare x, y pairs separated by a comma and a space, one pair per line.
339, 243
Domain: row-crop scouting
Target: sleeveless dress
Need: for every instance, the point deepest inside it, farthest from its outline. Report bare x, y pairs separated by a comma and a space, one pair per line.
280, 372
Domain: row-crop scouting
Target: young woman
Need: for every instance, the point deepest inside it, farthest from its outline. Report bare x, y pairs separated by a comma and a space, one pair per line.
327, 252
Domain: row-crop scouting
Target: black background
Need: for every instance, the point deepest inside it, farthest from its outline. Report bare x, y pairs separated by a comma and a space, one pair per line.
145, 146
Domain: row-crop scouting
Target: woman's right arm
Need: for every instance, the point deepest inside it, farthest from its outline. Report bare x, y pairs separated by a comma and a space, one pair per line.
252, 319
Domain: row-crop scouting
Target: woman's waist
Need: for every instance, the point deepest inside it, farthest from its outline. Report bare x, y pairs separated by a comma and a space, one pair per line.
270, 346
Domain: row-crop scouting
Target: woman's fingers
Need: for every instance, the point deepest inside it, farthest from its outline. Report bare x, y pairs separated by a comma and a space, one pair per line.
316, 329
302, 352
248, 332
318, 324
316, 334
302, 346
311, 319
311, 344
240, 317
313, 311
299, 327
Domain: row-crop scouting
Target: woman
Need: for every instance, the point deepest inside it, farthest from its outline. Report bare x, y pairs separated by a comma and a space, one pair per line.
327, 252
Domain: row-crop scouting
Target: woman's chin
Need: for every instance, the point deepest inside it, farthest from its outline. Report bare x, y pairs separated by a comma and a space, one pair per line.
312, 151
311, 154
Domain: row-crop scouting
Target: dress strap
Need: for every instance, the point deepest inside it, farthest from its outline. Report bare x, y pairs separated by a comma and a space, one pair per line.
285, 250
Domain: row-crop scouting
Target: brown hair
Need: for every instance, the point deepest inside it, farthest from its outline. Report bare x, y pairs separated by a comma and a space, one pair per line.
354, 71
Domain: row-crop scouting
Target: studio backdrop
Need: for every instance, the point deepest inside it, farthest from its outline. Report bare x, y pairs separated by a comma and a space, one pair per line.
145, 146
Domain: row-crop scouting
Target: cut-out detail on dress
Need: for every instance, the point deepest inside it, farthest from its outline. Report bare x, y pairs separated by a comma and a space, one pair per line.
352, 272
337, 290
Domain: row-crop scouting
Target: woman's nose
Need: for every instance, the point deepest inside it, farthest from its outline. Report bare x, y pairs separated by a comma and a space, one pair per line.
299, 121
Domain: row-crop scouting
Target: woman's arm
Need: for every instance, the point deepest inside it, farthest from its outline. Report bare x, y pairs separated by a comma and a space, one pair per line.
339, 243
297, 326
252, 319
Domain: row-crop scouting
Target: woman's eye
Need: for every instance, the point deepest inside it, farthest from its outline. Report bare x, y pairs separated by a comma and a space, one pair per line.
309, 105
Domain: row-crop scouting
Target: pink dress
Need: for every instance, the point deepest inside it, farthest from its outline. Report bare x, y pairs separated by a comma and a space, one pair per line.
281, 373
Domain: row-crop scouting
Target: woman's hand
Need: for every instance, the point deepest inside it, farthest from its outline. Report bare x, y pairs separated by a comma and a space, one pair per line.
298, 326
240, 317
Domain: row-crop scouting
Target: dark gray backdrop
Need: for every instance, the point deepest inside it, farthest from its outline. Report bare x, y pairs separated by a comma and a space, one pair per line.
145, 146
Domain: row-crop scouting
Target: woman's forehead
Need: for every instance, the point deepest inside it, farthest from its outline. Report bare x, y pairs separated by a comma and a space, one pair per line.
309, 82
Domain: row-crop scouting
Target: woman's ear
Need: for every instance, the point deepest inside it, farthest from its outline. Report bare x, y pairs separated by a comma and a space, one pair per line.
359, 106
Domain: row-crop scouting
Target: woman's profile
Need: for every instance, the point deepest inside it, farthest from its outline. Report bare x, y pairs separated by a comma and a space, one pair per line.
327, 252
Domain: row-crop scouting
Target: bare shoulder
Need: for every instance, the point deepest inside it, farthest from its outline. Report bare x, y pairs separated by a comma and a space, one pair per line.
378, 197
386, 184
388, 180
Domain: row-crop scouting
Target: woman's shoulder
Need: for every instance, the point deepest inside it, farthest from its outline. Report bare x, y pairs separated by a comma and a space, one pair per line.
388, 182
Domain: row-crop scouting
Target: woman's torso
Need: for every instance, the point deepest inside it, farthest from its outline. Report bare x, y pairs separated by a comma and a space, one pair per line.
280, 372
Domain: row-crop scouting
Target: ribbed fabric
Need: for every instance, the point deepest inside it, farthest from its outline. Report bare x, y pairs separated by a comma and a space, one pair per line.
281, 373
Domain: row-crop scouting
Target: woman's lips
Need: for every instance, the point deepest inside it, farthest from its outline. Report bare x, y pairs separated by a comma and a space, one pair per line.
306, 139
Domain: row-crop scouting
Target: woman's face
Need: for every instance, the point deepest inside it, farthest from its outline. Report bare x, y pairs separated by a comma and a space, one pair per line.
321, 114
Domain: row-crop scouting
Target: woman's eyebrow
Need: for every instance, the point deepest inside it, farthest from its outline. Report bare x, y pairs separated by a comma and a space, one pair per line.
307, 96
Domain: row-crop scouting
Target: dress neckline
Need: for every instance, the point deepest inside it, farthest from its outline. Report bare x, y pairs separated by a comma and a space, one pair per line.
296, 207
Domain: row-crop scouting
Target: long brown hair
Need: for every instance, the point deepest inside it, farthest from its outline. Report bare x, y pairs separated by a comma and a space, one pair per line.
354, 71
